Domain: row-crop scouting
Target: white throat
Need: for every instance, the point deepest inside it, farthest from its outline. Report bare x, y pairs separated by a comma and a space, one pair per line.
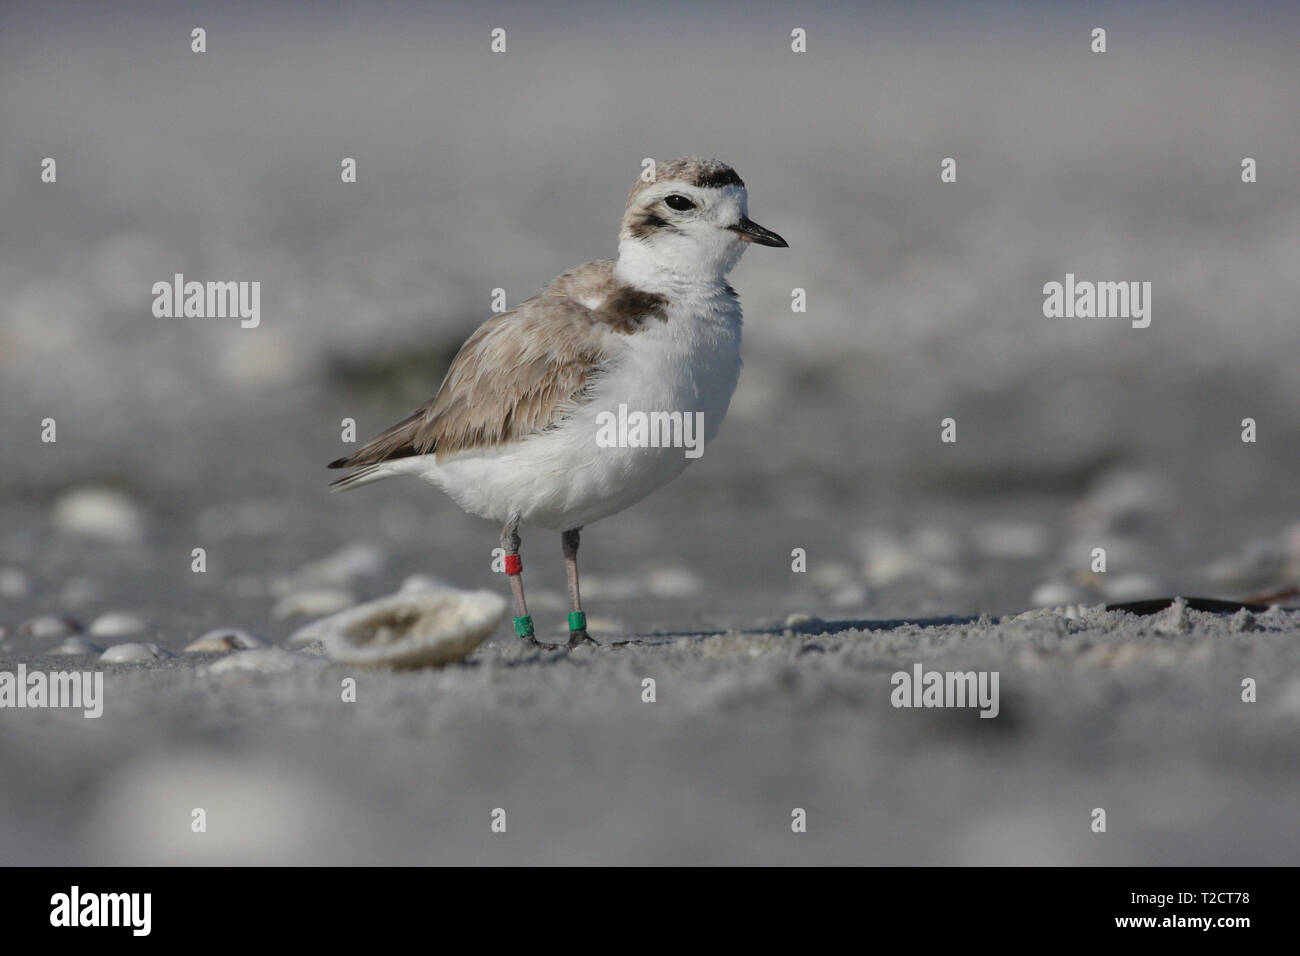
674, 267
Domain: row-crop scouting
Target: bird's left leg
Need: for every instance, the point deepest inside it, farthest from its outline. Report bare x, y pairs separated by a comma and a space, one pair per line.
577, 619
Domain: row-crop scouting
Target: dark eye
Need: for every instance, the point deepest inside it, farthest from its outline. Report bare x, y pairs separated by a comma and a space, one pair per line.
680, 203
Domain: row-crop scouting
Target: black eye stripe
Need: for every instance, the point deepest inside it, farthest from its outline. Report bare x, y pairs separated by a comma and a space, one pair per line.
680, 203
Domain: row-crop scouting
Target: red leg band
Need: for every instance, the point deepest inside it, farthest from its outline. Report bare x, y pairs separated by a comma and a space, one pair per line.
514, 564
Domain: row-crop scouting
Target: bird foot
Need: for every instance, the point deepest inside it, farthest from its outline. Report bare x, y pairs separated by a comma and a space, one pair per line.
578, 638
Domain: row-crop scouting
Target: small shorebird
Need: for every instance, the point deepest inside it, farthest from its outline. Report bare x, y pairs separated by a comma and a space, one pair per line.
519, 430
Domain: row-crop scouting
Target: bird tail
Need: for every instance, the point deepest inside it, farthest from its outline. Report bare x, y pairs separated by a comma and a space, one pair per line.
358, 478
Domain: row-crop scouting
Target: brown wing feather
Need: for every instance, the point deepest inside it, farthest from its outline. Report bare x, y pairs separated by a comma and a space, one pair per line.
518, 374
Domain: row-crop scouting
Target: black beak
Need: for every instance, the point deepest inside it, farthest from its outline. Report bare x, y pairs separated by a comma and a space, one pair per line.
751, 231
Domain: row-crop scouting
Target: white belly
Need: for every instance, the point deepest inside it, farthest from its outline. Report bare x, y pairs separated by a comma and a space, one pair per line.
564, 478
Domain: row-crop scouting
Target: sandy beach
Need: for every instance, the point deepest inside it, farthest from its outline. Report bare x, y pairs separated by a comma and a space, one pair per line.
772, 682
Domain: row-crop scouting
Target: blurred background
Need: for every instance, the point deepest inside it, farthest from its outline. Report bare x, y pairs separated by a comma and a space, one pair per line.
479, 170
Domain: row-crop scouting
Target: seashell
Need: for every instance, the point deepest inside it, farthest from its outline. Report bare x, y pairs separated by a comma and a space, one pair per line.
98, 513
421, 628
134, 653
224, 639
117, 624
77, 646
50, 626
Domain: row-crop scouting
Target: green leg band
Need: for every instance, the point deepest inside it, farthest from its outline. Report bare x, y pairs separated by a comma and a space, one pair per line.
524, 625
577, 620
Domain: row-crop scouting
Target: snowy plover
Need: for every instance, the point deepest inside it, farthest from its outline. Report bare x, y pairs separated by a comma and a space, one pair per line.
518, 431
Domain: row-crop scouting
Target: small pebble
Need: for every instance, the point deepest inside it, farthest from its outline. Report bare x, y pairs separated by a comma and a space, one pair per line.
224, 639
134, 653
117, 624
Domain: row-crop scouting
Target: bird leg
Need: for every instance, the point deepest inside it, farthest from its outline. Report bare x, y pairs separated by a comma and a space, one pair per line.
514, 570
577, 619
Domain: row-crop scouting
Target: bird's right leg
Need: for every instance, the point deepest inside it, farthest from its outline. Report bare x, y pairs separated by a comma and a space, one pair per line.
514, 570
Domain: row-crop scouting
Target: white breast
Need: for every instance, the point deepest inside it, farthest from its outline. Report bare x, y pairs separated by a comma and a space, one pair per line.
563, 478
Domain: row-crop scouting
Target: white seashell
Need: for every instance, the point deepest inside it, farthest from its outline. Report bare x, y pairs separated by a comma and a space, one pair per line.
134, 653
77, 646
263, 660
416, 629
117, 624
224, 639
98, 513
50, 626
312, 603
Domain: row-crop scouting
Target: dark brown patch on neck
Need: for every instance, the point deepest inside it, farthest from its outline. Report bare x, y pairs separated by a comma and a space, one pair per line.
627, 310
645, 223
